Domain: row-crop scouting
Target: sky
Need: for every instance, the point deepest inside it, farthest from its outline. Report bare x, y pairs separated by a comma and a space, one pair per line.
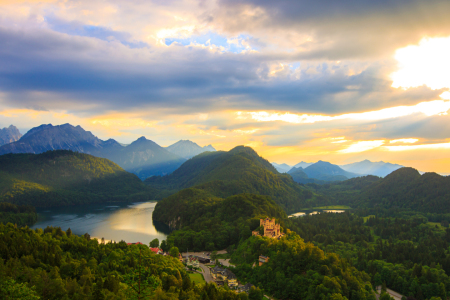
340, 81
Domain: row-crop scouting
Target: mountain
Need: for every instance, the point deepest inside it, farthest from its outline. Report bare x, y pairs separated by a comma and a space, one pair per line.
58, 178
282, 168
303, 164
146, 158
9, 135
142, 157
380, 168
61, 137
406, 188
240, 170
328, 172
188, 149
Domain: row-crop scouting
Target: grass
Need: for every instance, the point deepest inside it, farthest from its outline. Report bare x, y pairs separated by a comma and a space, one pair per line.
367, 218
197, 278
439, 226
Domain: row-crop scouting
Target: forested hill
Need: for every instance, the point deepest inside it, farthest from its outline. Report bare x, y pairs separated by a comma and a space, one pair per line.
58, 178
207, 223
240, 170
404, 188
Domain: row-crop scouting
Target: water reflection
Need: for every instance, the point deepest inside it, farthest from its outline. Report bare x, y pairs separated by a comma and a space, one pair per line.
124, 221
302, 214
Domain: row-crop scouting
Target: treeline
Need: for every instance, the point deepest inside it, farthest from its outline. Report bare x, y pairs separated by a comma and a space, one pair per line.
210, 223
53, 264
299, 270
403, 189
20, 215
408, 255
59, 178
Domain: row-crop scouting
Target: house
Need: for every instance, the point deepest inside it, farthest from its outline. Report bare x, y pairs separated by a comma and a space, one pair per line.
263, 259
220, 274
204, 260
192, 261
271, 229
138, 243
156, 250
246, 288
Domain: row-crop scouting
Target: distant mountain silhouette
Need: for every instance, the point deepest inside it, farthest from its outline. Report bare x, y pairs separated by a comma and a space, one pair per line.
146, 158
9, 135
303, 164
326, 171
188, 149
282, 168
380, 168
143, 157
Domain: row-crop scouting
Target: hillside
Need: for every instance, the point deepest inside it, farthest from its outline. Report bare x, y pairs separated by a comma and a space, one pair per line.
367, 167
188, 149
406, 188
205, 222
241, 170
9, 135
58, 178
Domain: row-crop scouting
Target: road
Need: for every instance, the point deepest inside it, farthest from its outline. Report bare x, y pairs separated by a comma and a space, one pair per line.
226, 262
392, 293
206, 274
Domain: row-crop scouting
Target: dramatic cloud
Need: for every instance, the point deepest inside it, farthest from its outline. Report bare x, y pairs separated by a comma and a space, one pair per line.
297, 80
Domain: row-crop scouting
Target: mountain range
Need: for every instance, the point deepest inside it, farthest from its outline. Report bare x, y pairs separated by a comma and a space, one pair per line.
187, 149
9, 134
282, 168
380, 168
142, 157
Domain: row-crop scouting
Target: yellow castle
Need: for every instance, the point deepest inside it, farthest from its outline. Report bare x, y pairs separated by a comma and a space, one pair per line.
271, 229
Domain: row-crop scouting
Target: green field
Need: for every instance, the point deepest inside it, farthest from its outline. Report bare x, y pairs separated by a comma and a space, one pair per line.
197, 278
434, 224
366, 218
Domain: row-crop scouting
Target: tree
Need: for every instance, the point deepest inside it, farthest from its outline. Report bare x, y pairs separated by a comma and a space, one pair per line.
214, 256
164, 246
174, 252
13, 290
255, 294
154, 243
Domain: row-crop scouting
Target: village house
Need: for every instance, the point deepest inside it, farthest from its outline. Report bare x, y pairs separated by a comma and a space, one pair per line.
192, 261
263, 259
156, 250
271, 229
222, 275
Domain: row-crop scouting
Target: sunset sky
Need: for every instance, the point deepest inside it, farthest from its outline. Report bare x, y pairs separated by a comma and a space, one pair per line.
339, 81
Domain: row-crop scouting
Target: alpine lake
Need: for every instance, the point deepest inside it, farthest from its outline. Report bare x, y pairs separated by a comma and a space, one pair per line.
131, 222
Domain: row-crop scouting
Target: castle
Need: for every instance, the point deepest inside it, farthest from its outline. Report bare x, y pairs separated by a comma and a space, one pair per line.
271, 229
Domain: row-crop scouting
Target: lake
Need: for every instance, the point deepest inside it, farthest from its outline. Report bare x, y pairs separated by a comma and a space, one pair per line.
302, 214
131, 222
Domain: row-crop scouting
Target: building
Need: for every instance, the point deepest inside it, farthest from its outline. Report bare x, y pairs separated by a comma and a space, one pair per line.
156, 250
263, 259
271, 229
192, 261
246, 288
220, 274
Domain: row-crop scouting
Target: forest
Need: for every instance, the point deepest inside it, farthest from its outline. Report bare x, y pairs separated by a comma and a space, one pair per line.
62, 177
53, 264
409, 255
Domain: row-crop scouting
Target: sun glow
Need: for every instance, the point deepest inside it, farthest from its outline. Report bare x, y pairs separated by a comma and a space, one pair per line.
430, 108
426, 64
